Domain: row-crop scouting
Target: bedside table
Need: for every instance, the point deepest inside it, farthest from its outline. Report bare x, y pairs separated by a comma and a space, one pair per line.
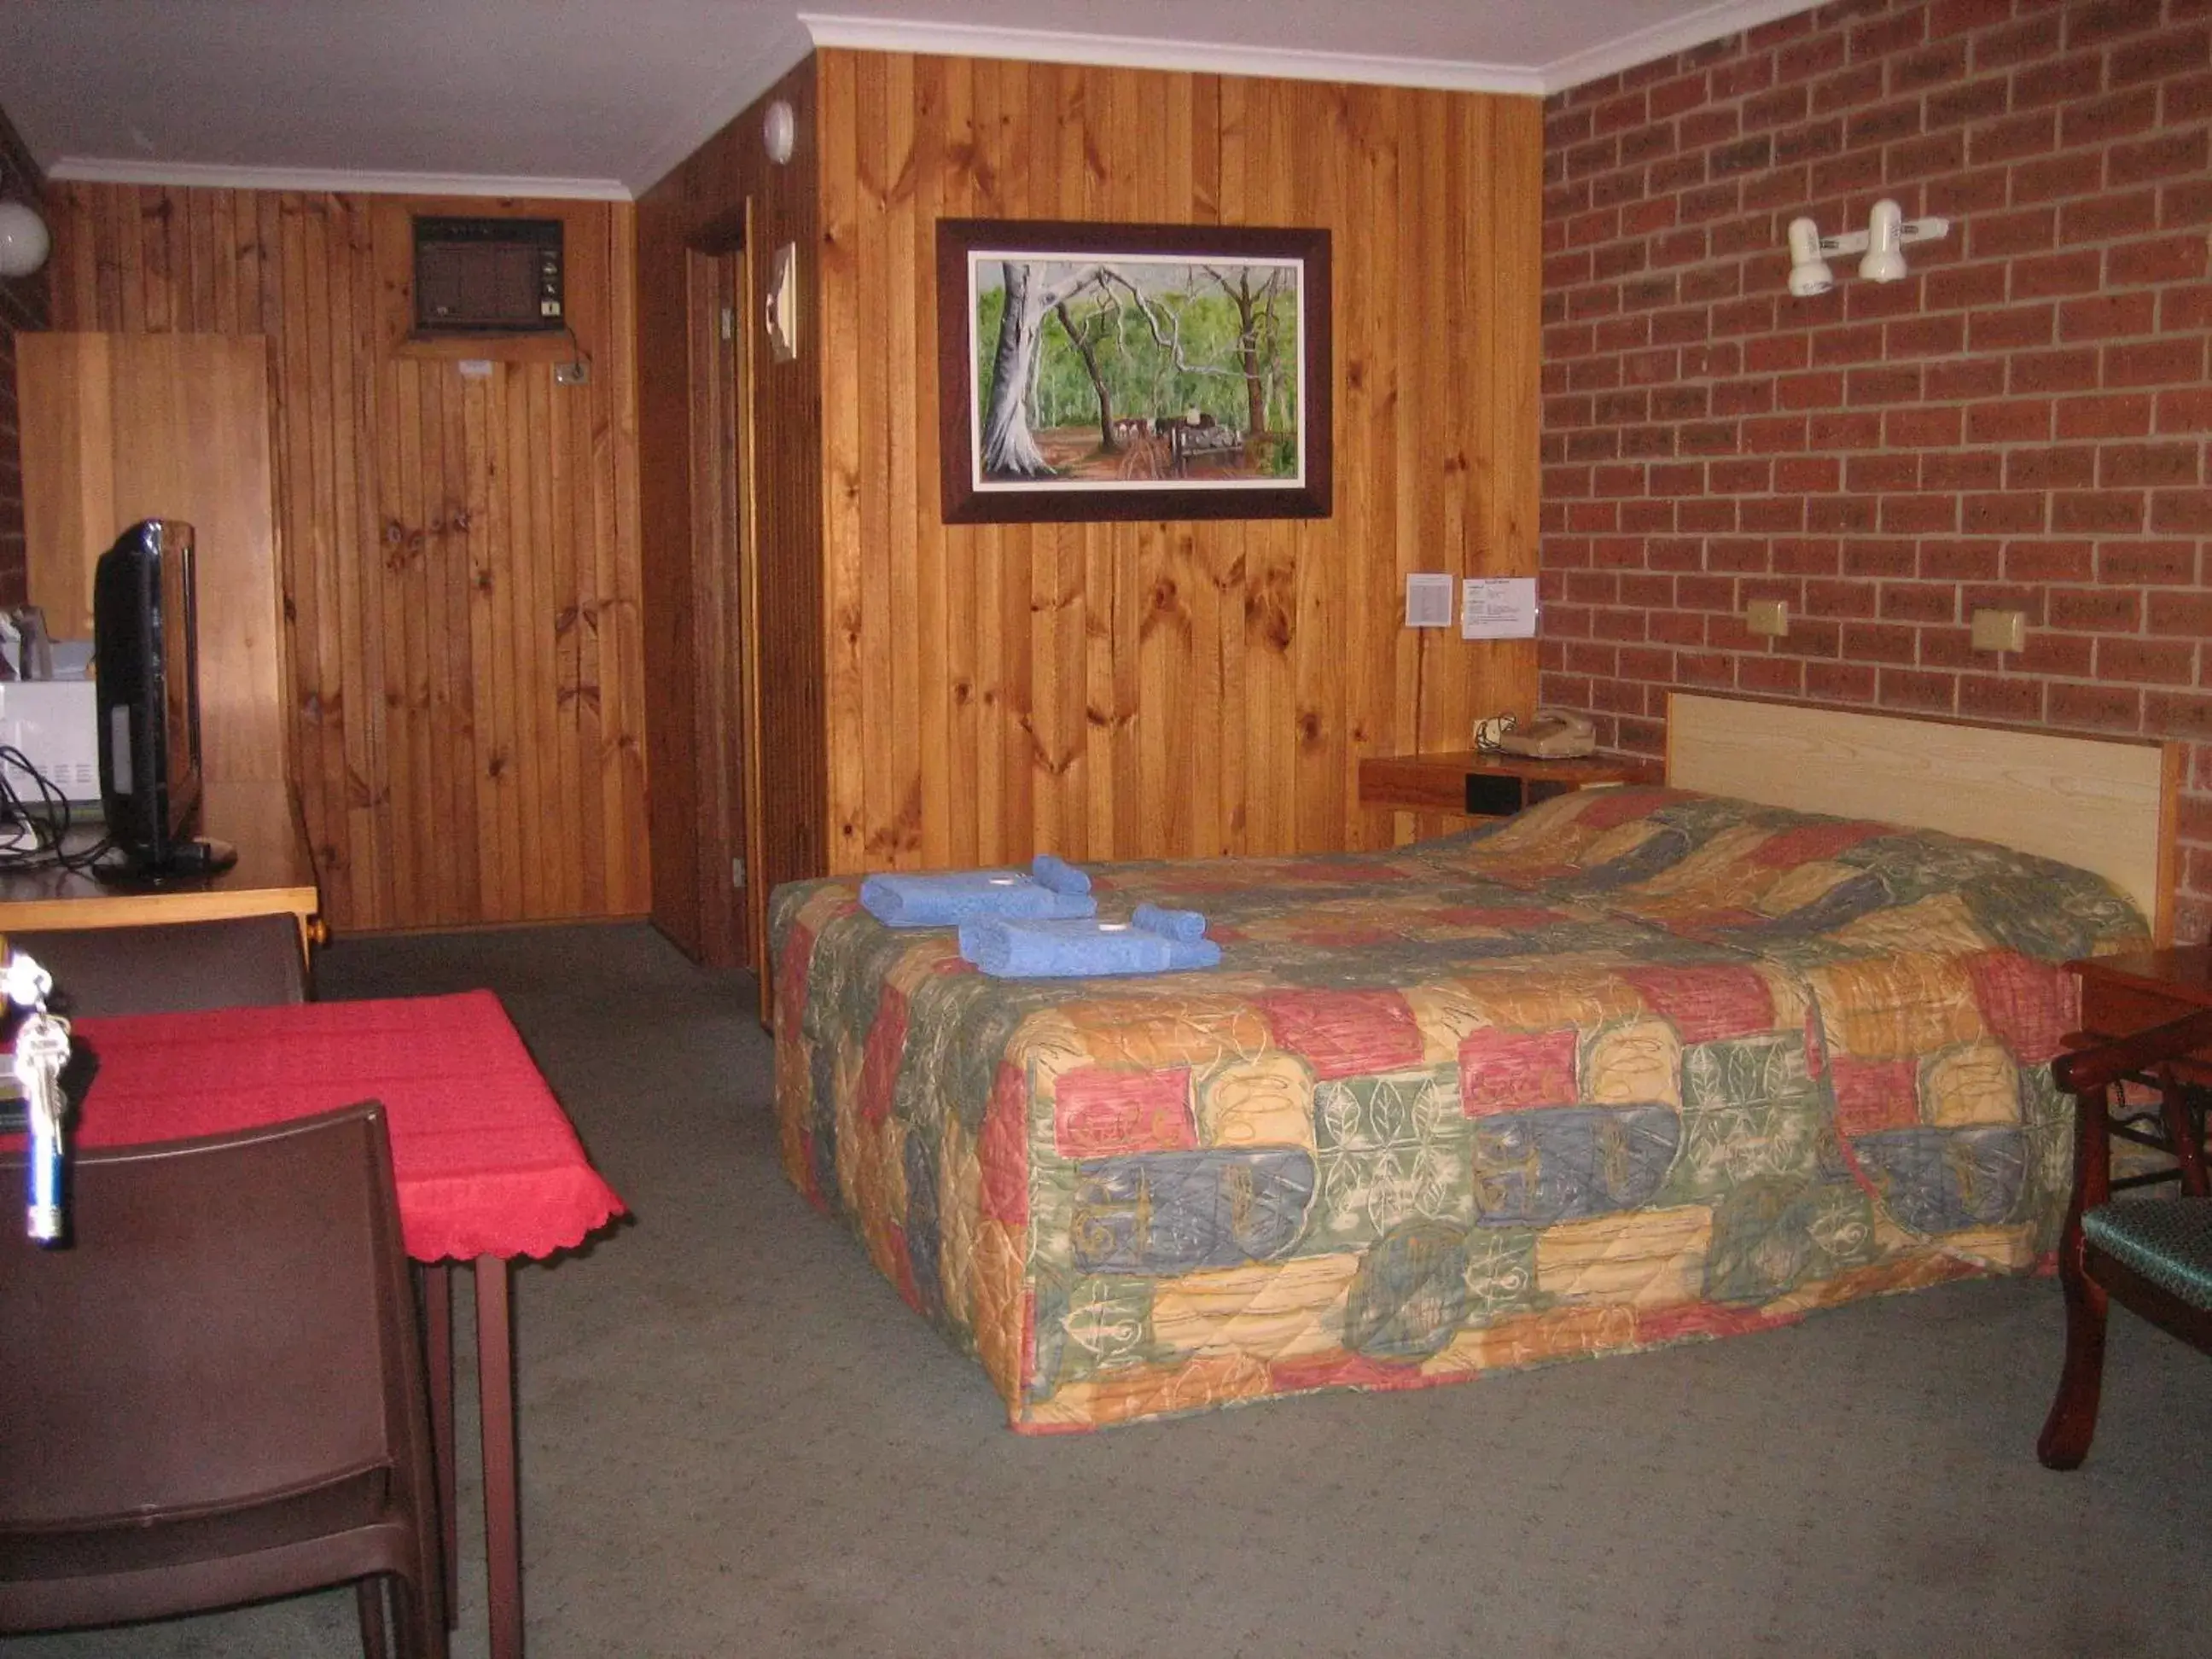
1476, 783
2122, 995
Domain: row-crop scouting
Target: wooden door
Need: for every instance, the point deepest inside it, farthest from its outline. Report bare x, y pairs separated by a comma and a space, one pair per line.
116, 428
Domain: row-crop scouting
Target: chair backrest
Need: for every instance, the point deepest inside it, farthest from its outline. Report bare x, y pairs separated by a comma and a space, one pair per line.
231, 1320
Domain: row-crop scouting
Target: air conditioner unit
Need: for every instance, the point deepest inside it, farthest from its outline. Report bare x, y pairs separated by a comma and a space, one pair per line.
488, 277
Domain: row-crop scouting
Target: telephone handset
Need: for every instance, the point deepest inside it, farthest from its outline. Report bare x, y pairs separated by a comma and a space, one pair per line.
1554, 734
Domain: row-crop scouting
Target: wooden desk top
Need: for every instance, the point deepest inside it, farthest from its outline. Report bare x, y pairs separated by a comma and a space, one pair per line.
2183, 973
1437, 782
274, 875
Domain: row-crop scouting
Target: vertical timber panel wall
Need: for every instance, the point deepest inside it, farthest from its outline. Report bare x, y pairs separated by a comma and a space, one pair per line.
459, 555
1139, 689
702, 204
23, 309
2024, 423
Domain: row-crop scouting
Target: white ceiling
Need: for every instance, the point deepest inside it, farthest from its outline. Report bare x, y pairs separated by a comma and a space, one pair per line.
602, 97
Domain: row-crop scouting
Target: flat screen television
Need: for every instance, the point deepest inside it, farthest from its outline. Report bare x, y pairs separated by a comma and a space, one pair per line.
145, 658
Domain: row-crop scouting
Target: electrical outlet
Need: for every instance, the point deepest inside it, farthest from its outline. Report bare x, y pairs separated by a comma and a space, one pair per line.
576, 374
1767, 616
1999, 630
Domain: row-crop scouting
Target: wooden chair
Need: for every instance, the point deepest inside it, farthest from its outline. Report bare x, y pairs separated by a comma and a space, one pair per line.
2154, 1256
214, 1393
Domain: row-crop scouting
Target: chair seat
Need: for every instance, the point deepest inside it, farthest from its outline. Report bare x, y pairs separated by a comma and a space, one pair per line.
2167, 1241
112, 1544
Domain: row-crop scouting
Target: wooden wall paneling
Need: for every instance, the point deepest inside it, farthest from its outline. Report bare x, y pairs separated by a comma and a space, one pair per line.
412, 548
921, 136
945, 143
1367, 397
1149, 688
428, 525
618, 700
909, 737
66, 387
1322, 782
117, 428
844, 361
498, 876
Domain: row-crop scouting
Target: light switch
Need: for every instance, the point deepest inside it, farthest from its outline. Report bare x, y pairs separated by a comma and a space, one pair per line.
1999, 630
1767, 616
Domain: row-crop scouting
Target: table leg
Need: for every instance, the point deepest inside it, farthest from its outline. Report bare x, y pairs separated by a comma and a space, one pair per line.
495, 1395
438, 1356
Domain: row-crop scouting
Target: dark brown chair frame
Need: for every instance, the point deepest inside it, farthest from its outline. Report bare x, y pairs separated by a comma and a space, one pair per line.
215, 1393
2092, 1279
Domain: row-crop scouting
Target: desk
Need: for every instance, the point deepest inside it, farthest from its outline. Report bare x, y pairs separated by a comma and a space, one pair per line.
274, 876
486, 1163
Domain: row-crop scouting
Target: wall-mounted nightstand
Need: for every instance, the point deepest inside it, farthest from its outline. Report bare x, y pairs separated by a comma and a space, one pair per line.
1476, 783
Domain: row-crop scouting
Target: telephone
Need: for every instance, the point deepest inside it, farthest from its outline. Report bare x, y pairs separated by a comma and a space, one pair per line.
1554, 734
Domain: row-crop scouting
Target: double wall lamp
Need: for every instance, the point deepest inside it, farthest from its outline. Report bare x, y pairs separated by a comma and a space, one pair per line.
1888, 233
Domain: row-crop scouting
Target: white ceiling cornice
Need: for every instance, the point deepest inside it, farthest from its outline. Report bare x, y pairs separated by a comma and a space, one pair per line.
1134, 51
1664, 40
741, 48
200, 175
1712, 22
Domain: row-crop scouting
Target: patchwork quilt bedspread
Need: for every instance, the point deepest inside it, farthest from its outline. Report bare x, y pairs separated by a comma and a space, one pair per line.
1634, 1066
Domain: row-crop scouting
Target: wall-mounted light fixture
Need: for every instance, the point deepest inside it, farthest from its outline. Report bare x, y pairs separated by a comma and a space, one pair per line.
779, 131
1888, 233
24, 241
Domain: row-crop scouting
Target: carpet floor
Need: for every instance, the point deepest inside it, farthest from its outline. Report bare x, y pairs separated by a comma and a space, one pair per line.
736, 1440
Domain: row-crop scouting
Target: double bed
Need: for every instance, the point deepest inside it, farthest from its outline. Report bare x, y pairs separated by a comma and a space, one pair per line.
1637, 1066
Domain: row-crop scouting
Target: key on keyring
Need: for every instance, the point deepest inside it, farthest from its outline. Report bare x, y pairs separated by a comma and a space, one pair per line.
42, 1047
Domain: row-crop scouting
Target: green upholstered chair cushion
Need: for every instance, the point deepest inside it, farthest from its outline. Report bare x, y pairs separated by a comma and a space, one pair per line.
2166, 1239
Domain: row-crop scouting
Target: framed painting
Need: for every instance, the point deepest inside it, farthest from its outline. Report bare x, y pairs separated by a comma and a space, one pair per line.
1116, 371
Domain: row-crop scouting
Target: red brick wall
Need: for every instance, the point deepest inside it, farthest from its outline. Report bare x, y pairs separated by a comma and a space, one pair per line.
2021, 423
22, 306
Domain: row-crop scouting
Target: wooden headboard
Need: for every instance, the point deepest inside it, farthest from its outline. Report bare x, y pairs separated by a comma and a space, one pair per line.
2106, 804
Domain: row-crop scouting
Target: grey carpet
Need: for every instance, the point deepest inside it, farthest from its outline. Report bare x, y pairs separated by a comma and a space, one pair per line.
738, 1441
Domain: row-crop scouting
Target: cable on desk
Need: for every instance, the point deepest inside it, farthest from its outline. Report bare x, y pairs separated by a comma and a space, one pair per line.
34, 836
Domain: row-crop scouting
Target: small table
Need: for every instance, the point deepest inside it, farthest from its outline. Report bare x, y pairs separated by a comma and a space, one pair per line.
1479, 783
2122, 995
486, 1164
274, 876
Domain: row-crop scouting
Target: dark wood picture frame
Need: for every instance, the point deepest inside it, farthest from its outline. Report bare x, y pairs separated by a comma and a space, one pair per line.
1189, 450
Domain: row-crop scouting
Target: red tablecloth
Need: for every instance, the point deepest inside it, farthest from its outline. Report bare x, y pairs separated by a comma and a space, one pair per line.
485, 1160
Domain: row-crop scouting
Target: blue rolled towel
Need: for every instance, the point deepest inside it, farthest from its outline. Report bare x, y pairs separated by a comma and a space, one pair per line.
1057, 873
1176, 924
943, 898
1008, 948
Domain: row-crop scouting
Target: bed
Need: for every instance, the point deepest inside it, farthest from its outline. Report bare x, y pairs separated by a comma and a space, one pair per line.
1636, 1066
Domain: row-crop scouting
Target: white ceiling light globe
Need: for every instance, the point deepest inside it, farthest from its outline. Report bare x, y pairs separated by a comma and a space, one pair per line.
780, 131
24, 242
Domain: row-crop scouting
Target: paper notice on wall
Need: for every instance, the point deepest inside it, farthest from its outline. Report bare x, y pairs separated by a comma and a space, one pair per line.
1429, 598
1498, 608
